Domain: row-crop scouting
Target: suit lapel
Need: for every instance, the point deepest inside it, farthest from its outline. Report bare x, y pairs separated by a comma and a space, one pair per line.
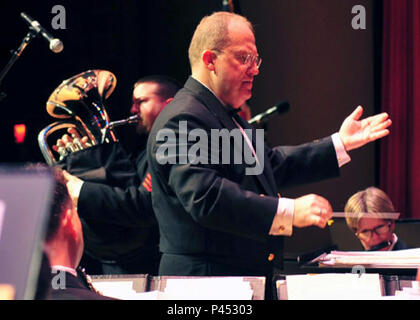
211, 102
263, 178
215, 107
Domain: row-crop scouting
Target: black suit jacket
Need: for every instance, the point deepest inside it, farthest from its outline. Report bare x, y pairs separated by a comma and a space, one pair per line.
75, 289
399, 245
119, 224
211, 215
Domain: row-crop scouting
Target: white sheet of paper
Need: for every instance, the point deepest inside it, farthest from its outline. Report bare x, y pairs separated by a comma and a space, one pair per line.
117, 289
334, 286
409, 258
124, 290
224, 288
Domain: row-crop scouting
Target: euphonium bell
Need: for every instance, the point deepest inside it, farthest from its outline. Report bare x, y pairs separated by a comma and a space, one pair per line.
80, 103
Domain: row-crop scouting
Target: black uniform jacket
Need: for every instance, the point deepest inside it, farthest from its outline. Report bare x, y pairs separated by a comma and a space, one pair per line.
114, 205
214, 218
74, 288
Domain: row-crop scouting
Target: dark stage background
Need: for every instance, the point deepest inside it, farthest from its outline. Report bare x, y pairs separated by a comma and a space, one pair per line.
311, 57
129, 38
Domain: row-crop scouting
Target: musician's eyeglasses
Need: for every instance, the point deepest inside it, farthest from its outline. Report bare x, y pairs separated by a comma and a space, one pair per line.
379, 230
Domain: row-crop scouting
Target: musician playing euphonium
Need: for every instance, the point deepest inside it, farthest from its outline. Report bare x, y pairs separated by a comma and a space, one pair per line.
121, 230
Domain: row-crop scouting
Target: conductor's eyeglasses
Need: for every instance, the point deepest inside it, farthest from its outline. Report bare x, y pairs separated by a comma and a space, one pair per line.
245, 58
249, 59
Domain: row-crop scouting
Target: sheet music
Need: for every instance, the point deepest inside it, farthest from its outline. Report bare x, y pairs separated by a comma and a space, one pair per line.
412, 293
223, 288
409, 258
124, 290
334, 286
115, 289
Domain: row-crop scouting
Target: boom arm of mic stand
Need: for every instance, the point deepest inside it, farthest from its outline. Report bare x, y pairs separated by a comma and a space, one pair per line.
15, 55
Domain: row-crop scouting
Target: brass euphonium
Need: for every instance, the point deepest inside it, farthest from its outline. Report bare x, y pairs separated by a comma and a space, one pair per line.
80, 102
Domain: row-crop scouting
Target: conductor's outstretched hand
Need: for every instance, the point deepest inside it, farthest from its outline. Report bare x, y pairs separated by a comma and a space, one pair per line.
356, 133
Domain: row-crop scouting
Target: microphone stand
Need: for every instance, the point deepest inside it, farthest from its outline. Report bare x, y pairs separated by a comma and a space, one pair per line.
15, 55
263, 124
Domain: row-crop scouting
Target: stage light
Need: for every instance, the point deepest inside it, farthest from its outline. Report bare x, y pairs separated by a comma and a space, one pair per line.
20, 133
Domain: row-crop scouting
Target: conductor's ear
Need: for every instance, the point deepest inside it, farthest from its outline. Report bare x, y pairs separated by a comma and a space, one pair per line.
209, 58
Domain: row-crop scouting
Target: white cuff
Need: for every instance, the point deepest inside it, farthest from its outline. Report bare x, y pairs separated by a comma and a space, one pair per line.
342, 155
283, 220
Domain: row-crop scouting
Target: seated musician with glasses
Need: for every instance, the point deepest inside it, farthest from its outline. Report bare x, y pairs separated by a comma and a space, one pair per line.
376, 232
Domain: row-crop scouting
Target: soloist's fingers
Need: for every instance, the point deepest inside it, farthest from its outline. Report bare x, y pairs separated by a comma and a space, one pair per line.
67, 139
85, 142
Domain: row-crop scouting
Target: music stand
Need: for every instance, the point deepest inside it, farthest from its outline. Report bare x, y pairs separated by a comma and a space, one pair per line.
24, 206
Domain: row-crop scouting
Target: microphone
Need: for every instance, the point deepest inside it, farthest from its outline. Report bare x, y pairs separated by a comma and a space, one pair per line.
280, 107
225, 6
56, 45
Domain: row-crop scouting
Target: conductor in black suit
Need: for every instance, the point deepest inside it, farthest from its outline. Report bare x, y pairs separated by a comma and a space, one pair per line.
216, 203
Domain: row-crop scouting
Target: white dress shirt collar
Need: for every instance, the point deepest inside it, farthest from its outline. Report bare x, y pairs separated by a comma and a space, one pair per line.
66, 269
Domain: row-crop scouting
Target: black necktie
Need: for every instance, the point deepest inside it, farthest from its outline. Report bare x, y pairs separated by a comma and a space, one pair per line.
241, 124
232, 111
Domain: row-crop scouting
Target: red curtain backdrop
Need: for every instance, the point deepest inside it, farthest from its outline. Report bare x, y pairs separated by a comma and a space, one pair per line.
400, 151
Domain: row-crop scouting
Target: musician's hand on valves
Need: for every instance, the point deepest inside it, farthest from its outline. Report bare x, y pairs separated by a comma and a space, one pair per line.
80, 142
311, 210
70, 142
356, 133
74, 185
